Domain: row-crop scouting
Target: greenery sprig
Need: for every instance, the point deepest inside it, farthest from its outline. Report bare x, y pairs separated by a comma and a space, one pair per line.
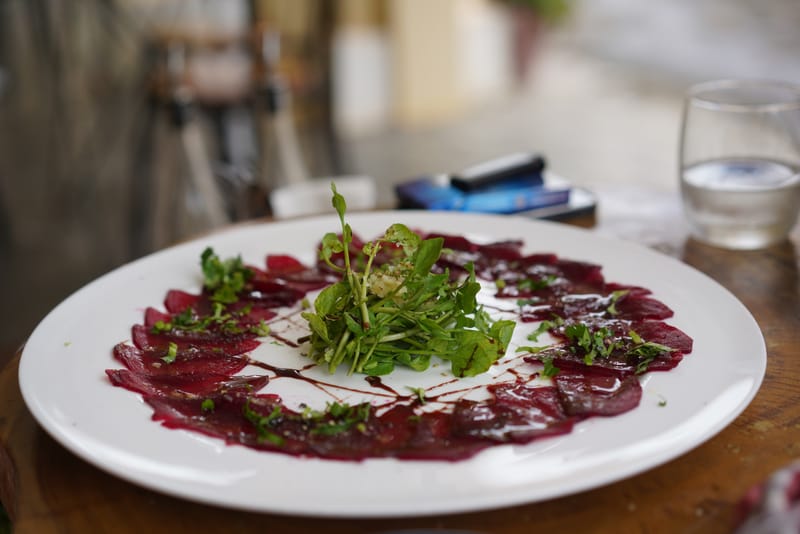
224, 278
399, 312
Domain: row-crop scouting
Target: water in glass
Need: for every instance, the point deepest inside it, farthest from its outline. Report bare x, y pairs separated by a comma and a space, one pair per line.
741, 203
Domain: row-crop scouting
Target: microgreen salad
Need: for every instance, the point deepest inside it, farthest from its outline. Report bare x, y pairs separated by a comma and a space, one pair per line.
400, 312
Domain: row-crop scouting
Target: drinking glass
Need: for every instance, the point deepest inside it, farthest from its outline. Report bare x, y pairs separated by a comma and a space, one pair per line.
739, 162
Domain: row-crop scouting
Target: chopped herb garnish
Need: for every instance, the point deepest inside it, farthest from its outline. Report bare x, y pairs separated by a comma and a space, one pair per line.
645, 351
545, 326
172, 353
419, 393
161, 327
549, 370
399, 312
341, 417
260, 329
186, 319
207, 405
189, 321
535, 284
615, 296
591, 344
263, 423
224, 278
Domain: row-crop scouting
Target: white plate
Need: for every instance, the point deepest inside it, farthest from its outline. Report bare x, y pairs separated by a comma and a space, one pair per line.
64, 385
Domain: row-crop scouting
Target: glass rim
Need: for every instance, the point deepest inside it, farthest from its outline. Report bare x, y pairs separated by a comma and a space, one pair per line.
694, 95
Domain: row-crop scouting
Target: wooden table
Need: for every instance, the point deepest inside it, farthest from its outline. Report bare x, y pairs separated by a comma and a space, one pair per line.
47, 489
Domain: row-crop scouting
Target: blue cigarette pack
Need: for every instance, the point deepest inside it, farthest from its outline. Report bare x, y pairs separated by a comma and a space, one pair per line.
510, 184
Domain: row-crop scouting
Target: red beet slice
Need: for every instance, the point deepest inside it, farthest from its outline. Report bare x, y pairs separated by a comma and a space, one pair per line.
586, 394
179, 385
187, 361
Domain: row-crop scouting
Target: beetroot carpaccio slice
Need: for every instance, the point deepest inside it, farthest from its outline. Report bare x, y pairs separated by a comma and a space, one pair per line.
584, 394
190, 361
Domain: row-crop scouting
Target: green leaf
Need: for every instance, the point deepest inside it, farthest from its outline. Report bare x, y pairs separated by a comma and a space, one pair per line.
185, 319
317, 325
473, 355
161, 327
329, 299
172, 353
408, 240
645, 352
338, 202
544, 326
378, 367
370, 248
502, 332
353, 325
211, 266
331, 244
549, 370
427, 254
261, 329
467, 296
615, 296
433, 328
417, 362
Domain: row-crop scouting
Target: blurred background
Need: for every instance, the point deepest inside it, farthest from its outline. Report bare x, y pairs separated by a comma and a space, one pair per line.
128, 125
